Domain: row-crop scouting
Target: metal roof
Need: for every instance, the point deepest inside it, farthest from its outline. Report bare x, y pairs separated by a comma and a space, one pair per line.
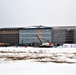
38, 26
29, 27
63, 27
41, 27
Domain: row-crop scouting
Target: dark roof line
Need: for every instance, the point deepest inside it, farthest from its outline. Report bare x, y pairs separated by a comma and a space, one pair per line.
41, 27
30, 27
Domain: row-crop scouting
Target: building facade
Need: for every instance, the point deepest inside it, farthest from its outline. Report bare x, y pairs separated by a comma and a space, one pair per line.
28, 36
58, 36
9, 35
64, 34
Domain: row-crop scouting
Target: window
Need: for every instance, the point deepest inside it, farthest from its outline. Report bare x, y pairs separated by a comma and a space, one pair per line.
47, 30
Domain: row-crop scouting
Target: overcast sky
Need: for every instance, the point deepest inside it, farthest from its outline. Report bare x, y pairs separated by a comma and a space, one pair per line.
37, 12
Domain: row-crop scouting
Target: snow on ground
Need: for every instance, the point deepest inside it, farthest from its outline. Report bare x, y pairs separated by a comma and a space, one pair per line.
36, 68
37, 61
37, 49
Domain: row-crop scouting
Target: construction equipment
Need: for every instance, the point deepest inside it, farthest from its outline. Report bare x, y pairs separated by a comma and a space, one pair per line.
42, 44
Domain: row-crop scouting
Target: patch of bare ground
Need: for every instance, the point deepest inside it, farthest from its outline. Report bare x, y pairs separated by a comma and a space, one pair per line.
40, 56
12, 52
55, 61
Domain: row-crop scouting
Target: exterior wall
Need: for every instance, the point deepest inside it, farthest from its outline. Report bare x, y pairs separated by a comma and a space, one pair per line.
70, 36
75, 36
59, 36
10, 36
28, 36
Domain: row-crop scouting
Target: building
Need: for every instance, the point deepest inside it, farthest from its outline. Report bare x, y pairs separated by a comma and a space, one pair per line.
64, 34
59, 36
28, 36
9, 35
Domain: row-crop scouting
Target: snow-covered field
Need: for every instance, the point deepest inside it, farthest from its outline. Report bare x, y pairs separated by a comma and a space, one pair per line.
37, 61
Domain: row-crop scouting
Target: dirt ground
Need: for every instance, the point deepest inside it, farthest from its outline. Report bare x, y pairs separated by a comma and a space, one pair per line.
59, 57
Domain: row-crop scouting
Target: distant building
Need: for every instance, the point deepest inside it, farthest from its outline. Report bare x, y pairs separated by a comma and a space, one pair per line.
64, 34
9, 35
27, 36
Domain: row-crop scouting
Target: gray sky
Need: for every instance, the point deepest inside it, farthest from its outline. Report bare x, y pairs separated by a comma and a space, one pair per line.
37, 12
